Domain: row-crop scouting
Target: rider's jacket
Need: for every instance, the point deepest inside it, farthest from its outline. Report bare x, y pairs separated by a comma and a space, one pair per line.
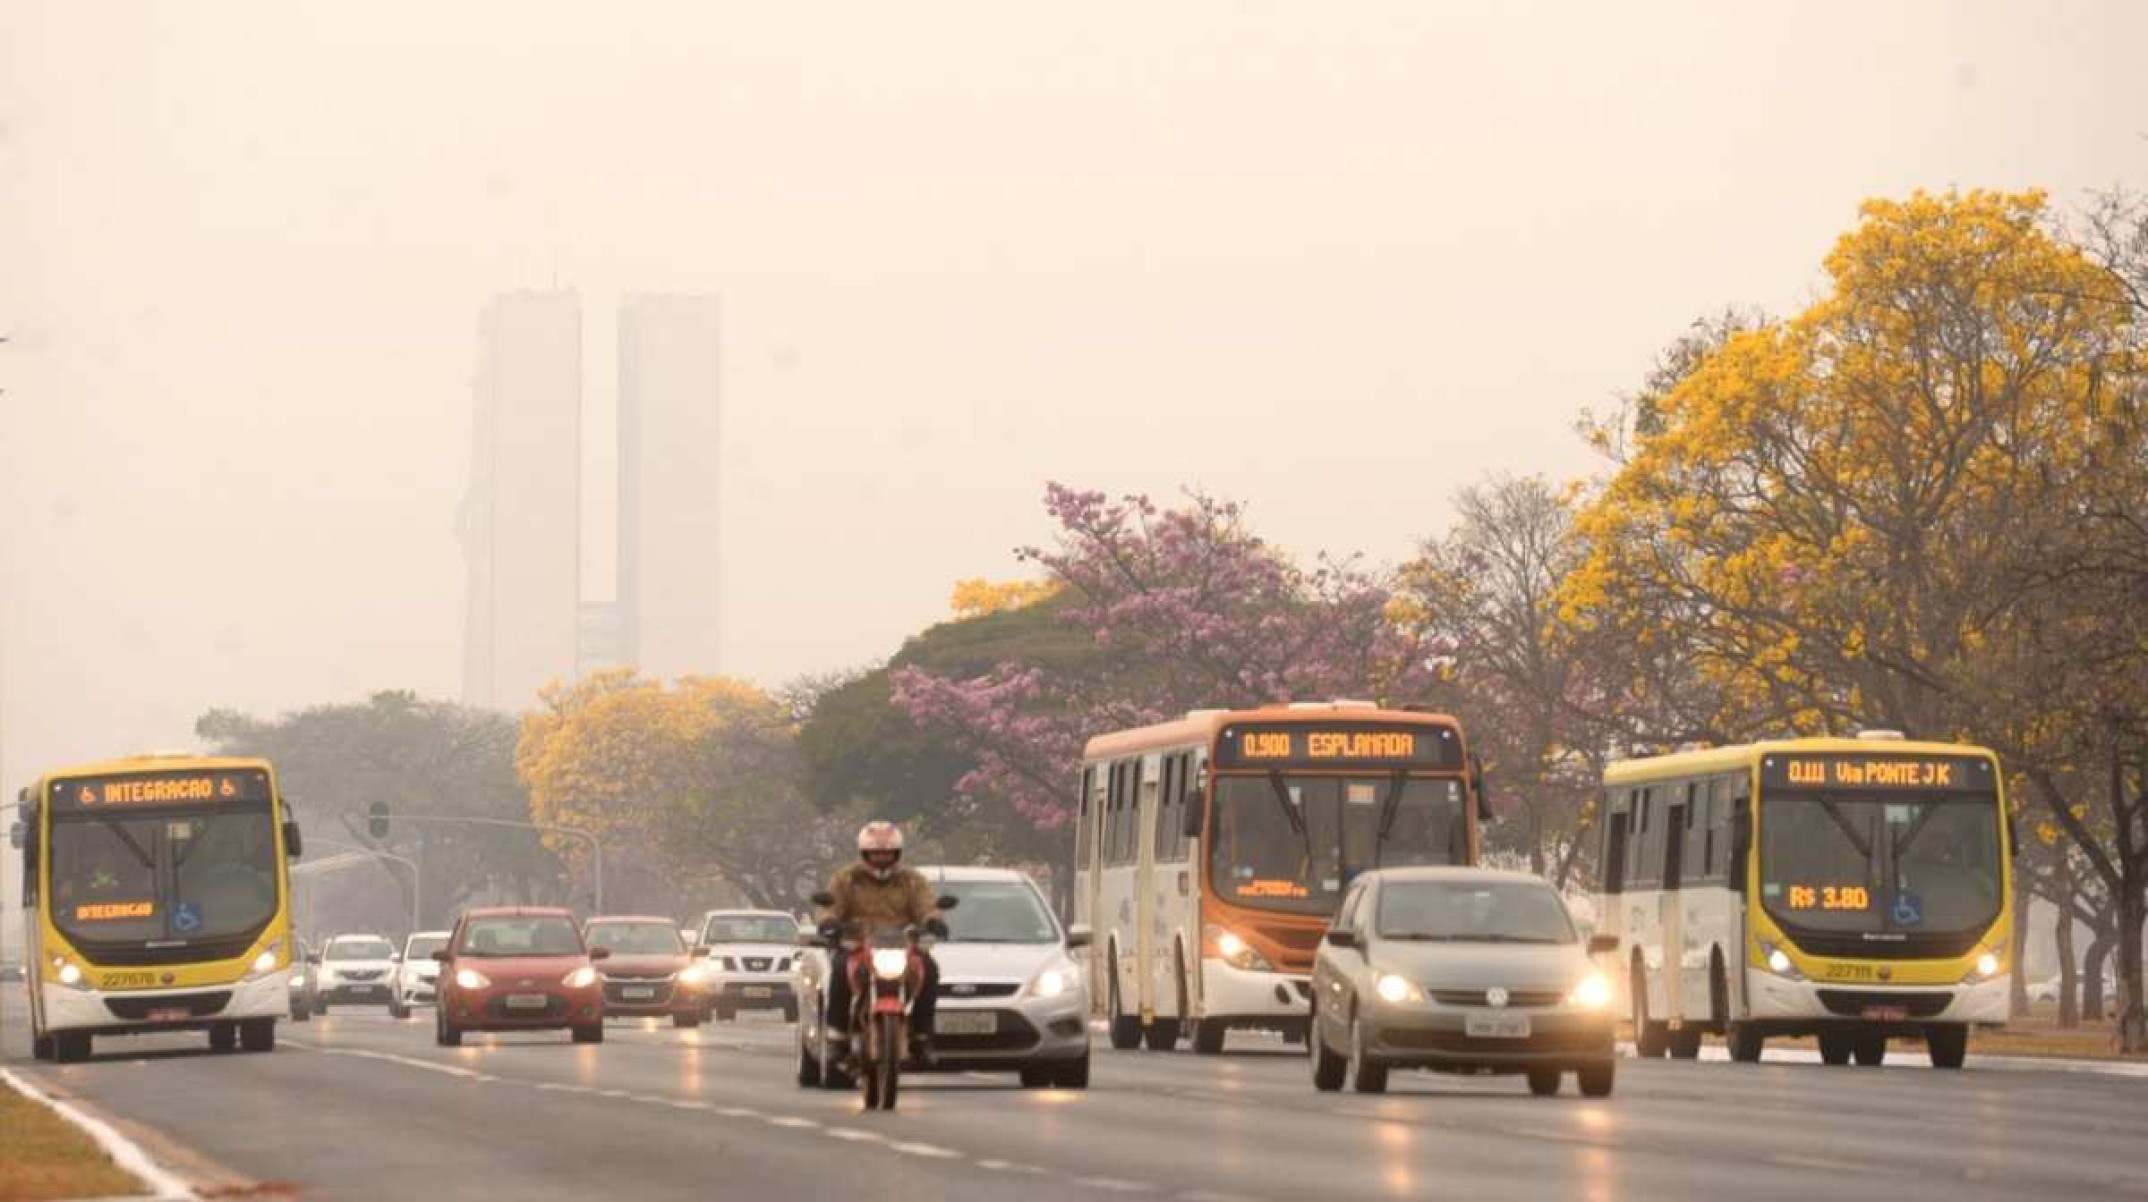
904, 899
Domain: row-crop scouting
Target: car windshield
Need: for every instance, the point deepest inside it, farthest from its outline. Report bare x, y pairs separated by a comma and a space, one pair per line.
997, 912
422, 946
750, 928
1883, 865
360, 949
180, 877
637, 938
1473, 912
544, 935
1294, 843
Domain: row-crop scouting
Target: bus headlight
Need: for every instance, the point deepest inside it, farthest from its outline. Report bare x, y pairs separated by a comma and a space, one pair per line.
1395, 990
1593, 993
1236, 952
1987, 967
1779, 962
70, 974
268, 961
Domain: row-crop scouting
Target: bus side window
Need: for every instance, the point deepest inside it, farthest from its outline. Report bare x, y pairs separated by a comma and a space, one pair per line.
1614, 857
1084, 842
1114, 791
1131, 849
1166, 810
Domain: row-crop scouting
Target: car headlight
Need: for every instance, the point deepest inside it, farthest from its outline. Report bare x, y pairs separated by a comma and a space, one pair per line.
470, 978
1395, 990
1051, 982
580, 978
1236, 952
1593, 993
693, 974
889, 963
70, 973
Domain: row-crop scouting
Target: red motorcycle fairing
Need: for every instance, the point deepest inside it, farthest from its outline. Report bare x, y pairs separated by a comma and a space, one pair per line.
887, 1003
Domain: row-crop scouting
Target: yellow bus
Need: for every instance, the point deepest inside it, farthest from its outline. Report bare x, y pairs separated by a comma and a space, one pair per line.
1848, 889
156, 898
1211, 851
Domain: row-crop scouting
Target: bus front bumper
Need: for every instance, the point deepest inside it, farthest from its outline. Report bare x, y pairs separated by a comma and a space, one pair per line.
1811, 1005
1275, 1000
140, 1011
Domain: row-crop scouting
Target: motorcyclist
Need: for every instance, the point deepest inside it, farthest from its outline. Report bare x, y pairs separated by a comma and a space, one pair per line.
877, 891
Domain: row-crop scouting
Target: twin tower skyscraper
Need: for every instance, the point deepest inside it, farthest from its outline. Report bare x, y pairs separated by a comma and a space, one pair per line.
527, 621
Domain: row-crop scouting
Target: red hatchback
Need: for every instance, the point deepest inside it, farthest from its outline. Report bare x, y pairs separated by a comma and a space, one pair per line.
518, 968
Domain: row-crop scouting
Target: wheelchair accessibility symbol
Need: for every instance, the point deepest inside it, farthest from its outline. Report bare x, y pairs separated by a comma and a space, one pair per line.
186, 917
1908, 911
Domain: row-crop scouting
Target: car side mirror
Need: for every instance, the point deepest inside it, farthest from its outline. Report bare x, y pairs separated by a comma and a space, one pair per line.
1343, 937
294, 846
1602, 945
823, 899
439, 957
1080, 936
811, 939
395, 957
313, 957
947, 903
701, 951
600, 953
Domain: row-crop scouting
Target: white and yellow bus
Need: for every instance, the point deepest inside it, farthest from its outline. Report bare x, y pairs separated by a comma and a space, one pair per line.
156, 898
1210, 853
1849, 889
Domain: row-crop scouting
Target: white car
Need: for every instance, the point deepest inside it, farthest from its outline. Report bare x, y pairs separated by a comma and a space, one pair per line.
354, 968
749, 961
417, 976
1011, 997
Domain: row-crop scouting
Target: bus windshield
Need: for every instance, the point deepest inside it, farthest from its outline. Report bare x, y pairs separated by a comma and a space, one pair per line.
1880, 863
178, 877
1287, 842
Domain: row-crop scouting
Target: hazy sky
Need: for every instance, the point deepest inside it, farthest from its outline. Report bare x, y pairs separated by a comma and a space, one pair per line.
1332, 259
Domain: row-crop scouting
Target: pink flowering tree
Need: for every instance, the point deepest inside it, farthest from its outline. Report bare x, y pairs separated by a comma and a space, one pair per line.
1178, 609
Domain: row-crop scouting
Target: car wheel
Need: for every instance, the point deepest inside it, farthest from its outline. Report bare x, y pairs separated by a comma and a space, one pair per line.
396, 1010
1074, 1074
1948, 1043
320, 1007
1871, 1050
1329, 1069
1595, 1079
1039, 1076
593, 1033
1544, 1082
790, 1012
689, 1020
1367, 1075
1835, 1047
223, 1037
300, 1014
808, 1065
725, 1013
445, 1033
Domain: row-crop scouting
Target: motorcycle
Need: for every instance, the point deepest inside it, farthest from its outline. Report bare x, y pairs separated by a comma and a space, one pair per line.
885, 973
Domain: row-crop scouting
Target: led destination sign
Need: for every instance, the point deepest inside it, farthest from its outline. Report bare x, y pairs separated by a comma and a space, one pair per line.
145, 790
1338, 744
1914, 774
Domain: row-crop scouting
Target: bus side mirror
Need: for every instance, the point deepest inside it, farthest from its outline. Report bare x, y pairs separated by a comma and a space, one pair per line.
1602, 945
1741, 843
1476, 783
823, 899
1192, 825
293, 845
947, 901
2013, 838
18, 834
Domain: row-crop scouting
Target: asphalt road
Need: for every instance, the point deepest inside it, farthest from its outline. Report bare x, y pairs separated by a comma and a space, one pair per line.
358, 1106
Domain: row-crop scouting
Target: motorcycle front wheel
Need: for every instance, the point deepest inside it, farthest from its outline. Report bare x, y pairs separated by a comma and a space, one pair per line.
881, 1078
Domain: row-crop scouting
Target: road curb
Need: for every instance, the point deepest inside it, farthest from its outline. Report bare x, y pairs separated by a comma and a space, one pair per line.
128, 1155
2000, 1062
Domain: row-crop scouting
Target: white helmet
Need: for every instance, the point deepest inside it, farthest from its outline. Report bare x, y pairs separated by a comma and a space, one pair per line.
880, 837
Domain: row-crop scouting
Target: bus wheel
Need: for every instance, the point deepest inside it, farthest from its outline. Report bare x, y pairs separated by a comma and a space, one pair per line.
1835, 1047
223, 1037
1746, 1043
258, 1035
1718, 994
70, 1046
1685, 1043
1208, 1037
1650, 1039
1162, 1035
1871, 1050
1948, 1043
1125, 1028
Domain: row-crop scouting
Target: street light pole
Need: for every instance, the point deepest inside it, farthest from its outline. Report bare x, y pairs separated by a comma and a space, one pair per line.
596, 846
417, 881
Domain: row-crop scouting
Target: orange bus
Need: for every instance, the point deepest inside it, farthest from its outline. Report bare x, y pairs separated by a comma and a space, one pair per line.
1210, 853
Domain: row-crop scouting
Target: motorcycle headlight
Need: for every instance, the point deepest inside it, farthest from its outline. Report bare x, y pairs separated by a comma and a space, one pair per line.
1395, 990
1236, 952
1593, 993
470, 978
580, 978
889, 963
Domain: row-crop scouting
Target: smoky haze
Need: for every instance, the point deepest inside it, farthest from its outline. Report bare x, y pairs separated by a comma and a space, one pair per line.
1333, 262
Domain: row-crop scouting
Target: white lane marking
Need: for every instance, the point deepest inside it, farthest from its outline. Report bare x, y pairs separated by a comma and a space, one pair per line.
855, 1135
692, 1105
738, 1112
1791, 1160
1116, 1185
930, 1151
792, 1121
613, 1093
124, 1152
1209, 1195
407, 1061
556, 1087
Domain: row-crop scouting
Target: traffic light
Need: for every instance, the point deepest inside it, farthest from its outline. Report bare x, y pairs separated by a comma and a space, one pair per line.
376, 820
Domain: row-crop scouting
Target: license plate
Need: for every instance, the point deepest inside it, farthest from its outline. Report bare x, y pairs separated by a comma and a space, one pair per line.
1497, 1026
525, 1001
758, 991
1892, 1014
956, 1023
638, 993
171, 1015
